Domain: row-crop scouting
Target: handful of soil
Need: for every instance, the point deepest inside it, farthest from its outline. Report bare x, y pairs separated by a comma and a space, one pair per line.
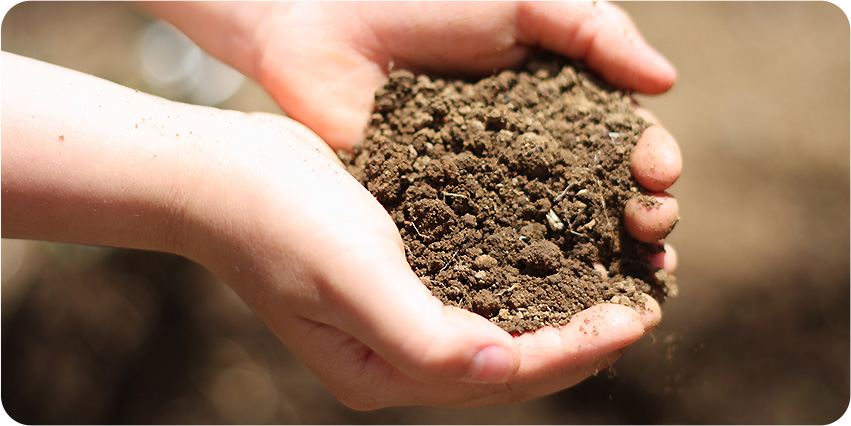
507, 191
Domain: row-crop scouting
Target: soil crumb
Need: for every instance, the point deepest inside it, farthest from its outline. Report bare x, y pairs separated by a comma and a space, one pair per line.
507, 190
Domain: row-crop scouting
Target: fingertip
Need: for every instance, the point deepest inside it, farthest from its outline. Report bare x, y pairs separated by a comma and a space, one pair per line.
650, 313
650, 217
658, 74
600, 330
656, 162
635, 61
624, 57
665, 259
492, 355
669, 259
670, 265
604, 36
461, 345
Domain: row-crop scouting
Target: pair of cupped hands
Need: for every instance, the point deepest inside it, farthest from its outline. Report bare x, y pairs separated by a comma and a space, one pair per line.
327, 272
266, 205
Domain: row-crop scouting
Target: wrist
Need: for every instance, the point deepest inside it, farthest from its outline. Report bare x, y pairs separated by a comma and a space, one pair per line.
87, 161
250, 175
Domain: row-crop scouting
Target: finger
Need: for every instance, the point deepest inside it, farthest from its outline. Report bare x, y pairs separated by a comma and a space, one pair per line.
651, 216
552, 360
665, 259
410, 328
555, 359
592, 341
588, 337
656, 162
363, 380
603, 36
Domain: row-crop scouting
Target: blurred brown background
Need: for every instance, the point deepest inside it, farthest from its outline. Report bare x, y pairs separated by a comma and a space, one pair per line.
758, 334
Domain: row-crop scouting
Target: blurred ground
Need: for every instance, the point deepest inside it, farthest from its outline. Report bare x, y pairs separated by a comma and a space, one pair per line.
758, 334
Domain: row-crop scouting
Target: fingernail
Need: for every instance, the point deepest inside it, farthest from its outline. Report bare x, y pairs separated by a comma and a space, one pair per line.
491, 365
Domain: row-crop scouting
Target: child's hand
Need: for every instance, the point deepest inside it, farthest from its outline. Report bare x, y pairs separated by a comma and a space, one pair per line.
321, 263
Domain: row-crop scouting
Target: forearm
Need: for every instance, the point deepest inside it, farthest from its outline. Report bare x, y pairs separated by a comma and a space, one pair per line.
88, 161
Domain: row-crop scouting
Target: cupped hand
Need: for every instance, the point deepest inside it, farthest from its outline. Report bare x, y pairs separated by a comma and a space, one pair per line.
323, 62
322, 264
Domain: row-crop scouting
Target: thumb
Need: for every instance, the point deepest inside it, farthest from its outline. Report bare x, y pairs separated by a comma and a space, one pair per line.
386, 306
603, 36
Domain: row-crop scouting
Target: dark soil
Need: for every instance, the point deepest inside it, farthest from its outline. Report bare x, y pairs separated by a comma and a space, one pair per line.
508, 190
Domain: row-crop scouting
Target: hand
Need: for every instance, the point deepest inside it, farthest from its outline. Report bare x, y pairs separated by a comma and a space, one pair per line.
385, 341
322, 264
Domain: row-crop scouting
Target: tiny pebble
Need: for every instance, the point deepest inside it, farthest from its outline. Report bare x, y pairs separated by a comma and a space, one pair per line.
485, 262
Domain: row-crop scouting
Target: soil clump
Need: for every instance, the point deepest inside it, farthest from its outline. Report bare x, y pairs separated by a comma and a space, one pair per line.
507, 190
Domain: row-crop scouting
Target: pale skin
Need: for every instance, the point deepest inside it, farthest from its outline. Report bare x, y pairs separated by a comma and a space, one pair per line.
262, 201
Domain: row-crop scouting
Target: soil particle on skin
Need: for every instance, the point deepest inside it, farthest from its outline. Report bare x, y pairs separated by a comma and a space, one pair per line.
507, 190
